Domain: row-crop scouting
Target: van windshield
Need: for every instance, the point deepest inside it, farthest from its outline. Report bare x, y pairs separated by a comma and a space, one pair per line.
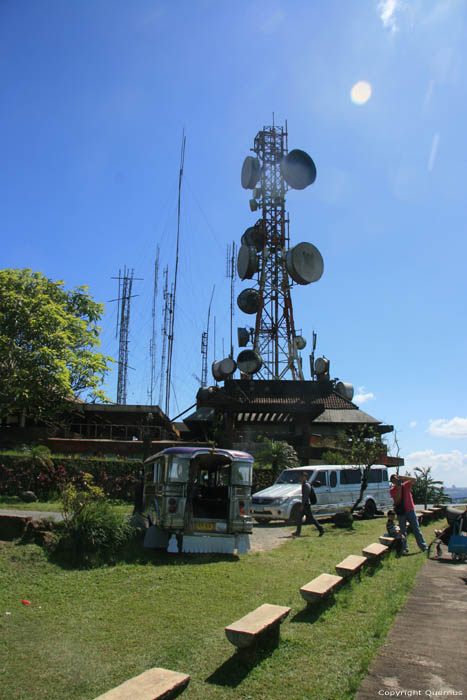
290, 476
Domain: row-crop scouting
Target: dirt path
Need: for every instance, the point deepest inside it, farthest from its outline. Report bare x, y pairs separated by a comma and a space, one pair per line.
266, 537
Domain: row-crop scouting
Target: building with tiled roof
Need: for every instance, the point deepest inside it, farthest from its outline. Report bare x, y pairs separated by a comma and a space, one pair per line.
309, 415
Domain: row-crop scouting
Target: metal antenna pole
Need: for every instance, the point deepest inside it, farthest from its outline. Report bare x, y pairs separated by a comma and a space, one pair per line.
174, 288
164, 334
152, 342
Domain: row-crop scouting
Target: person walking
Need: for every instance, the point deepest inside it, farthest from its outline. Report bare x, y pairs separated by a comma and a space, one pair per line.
308, 497
401, 494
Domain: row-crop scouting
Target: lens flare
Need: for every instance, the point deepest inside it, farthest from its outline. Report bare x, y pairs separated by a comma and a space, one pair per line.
360, 92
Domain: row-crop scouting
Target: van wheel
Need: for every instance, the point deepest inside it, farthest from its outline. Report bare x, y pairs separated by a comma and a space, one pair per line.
294, 514
370, 509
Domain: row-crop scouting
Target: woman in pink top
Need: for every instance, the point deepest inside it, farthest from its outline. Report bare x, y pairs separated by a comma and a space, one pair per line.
401, 493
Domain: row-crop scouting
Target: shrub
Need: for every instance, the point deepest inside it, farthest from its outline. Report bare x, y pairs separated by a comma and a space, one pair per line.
93, 531
20, 473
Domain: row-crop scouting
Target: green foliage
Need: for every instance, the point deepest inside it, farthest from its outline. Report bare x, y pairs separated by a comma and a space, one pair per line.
48, 337
363, 446
426, 490
93, 531
37, 456
278, 455
115, 475
75, 499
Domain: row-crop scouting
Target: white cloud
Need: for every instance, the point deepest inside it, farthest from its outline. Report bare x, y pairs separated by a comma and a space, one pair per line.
362, 396
387, 11
412, 424
454, 428
449, 467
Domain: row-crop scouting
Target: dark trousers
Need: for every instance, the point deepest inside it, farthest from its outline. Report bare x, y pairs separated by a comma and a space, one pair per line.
306, 510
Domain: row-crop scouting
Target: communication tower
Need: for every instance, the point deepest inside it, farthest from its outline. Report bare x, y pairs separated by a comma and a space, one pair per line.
125, 284
265, 256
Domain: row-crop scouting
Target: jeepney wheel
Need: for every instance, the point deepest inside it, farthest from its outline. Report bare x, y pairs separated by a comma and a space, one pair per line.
370, 509
295, 514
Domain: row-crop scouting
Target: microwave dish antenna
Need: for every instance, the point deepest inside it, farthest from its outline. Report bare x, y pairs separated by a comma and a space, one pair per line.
298, 169
304, 263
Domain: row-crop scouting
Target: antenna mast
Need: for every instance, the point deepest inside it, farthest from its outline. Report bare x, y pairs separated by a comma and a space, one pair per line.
174, 286
125, 284
231, 274
152, 342
205, 346
165, 295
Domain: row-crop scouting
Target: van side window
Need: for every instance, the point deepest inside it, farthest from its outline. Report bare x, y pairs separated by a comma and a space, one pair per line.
351, 476
375, 476
384, 474
332, 479
322, 478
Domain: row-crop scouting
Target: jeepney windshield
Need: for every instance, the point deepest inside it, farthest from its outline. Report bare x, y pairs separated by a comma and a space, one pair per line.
178, 469
242, 473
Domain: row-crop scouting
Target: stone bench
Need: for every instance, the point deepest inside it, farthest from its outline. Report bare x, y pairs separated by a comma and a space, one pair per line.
350, 565
374, 550
155, 684
259, 628
387, 541
320, 587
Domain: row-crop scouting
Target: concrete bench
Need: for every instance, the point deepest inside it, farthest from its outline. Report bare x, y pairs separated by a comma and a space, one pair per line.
320, 587
155, 684
374, 550
350, 565
387, 541
259, 628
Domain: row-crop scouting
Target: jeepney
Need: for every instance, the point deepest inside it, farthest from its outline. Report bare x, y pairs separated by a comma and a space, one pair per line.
197, 499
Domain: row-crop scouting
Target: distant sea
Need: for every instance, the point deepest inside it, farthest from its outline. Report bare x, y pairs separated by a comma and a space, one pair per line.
458, 495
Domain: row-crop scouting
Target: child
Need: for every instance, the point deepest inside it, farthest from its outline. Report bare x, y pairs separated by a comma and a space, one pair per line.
394, 530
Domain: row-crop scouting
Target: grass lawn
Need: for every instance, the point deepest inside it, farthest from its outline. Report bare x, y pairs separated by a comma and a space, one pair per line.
89, 630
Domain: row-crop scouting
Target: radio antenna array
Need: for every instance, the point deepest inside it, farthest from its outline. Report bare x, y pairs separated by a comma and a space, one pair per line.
125, 284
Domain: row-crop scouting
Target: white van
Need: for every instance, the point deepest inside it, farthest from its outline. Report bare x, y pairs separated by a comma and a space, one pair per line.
339, 488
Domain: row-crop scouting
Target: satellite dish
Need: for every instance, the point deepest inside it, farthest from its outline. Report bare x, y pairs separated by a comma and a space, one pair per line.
247, 262
304, 263
254, 236
251, 172
298, 169
321, 365
249, 362
249, 301
299, 342
345, 389
243, 337
223, 369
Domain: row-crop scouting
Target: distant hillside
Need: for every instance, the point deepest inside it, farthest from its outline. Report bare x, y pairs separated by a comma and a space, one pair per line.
458, 495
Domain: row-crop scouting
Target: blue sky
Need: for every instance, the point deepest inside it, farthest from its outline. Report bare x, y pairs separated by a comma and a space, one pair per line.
95, 95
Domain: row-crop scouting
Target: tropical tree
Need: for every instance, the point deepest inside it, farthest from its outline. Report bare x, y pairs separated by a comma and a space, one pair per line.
362, 447
426, 490
48, 341
278, 455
